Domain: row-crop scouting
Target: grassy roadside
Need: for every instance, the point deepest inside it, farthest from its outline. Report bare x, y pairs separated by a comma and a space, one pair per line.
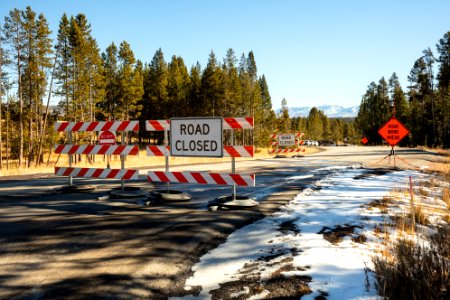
413, 261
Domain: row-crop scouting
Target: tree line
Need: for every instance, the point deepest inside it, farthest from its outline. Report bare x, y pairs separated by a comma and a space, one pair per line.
92, 85
317, 126
424, 109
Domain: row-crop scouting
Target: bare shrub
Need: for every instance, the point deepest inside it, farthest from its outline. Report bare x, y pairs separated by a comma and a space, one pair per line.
415, 271
420, 216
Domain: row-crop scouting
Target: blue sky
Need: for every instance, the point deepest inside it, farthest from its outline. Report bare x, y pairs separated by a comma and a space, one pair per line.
311, 52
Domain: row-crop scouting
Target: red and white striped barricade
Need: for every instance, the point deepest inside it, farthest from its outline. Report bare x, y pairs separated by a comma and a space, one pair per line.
108, 149
97, 126
121, 174
274, 142
284, 151
202, 178
97, 149
228, 123
244, 123
228, 151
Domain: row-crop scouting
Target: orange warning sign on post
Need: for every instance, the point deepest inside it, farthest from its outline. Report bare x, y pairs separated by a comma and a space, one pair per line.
393, 131
364, 140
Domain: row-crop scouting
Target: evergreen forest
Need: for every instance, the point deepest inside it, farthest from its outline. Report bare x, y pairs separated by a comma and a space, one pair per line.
93, 84
424, 108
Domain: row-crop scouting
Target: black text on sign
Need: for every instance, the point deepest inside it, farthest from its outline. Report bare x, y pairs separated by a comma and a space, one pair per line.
197, 137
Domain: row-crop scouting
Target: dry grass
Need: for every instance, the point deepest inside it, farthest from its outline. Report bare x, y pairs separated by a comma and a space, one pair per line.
415, 271
446, 196
406, 268
442, 166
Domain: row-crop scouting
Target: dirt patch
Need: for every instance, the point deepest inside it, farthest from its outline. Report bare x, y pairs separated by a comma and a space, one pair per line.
288, 227
338, 233
267, 278
372, 172
381, 204
277, 287
360, 239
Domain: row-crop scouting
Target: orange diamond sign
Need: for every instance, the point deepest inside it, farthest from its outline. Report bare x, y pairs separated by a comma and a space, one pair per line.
393, 131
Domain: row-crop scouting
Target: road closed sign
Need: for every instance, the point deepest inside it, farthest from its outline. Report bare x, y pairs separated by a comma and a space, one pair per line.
286, 139
196, 137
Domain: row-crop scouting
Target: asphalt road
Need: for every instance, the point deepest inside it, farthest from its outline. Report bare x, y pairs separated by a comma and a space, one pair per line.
57, 245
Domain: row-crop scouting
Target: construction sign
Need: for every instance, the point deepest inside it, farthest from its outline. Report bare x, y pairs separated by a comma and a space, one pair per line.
393, 131
364, 140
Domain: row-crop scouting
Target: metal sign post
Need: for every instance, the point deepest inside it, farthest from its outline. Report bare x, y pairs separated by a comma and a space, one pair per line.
166, 143
122, 163
393, 132
70, 159
233, 167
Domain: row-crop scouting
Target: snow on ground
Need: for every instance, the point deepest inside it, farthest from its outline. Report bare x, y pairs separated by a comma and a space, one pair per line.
306, 233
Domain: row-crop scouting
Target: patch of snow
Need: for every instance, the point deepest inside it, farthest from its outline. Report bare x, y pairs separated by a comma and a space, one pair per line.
342, 270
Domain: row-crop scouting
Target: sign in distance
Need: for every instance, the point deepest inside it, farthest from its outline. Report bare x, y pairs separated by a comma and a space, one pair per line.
286, 139
107, 138
196, 137
393, 131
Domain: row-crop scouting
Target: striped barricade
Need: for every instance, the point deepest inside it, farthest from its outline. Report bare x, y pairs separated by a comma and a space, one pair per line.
98, 126
275, 143
238, 123
158, 150
278, 151
157, 125
228, 123
202, 178
122, 174
238, 151
97, 149
228, 151
122, 150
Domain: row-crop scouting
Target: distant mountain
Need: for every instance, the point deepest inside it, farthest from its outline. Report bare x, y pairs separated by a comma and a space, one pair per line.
331, 111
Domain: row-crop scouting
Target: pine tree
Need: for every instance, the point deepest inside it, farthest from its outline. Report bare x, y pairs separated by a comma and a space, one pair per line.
284, 120
15, 37
130, 83
268, 117
177, 87
64, 64
232, 84
212, 87
443, 76
2, 92
86, 80
195, 98
314, 124
336, 130
111, 74
419, 95
37, 63
156, 88
399, 103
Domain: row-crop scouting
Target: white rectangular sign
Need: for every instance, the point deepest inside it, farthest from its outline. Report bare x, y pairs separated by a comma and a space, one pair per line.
286, 139
198, 137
